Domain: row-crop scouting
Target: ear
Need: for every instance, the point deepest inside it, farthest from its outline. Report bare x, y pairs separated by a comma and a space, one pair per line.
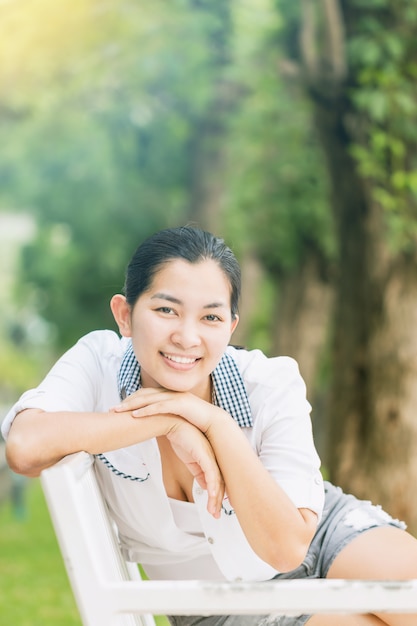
235, 322
121, 313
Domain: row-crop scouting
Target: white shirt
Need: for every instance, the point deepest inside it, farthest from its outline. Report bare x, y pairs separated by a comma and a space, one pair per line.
85, 379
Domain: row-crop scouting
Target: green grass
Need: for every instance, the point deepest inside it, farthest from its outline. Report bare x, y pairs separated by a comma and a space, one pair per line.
34, 588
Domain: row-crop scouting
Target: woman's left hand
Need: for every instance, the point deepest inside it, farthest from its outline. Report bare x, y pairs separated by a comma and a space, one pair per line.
149, 401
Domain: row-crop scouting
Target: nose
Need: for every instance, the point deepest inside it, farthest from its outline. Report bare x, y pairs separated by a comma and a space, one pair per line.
186, 335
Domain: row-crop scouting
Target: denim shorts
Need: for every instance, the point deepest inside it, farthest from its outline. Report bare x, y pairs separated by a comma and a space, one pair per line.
344, 518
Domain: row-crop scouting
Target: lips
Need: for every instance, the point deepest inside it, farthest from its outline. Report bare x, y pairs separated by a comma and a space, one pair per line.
182, 360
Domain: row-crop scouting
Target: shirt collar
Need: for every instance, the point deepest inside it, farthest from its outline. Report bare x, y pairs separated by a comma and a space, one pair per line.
229, 389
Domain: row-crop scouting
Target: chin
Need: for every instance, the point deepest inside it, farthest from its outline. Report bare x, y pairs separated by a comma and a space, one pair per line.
180, 388
180, 385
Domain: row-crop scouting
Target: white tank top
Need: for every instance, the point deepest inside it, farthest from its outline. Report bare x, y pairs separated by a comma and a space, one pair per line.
201, 567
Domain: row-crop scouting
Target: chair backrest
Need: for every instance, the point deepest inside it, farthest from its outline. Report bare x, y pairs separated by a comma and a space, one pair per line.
87, 539
110, 592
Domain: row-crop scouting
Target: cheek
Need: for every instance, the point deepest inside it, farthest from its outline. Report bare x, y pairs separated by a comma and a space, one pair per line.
145, 354
218, 343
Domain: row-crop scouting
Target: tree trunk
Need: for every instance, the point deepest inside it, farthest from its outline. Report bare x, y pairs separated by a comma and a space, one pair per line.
373, 432
304, 305
252, 282
373, 395
389, 457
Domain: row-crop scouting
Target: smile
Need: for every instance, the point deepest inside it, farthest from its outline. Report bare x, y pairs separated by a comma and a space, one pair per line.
180, 359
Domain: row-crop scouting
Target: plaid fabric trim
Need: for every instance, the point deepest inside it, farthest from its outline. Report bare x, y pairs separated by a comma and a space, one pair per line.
229, 389
111, 467
229, 393
129, 374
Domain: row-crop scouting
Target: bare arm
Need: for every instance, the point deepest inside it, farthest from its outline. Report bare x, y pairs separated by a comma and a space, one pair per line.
38, 439
278, 532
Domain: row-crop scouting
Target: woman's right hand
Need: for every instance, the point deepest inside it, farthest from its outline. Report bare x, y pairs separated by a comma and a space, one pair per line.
194, 450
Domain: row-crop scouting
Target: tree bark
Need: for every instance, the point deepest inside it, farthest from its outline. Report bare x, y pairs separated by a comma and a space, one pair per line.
372, 425
304, 307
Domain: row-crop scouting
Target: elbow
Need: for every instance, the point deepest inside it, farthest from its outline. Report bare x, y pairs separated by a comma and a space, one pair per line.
288, 559
285, 556
290, 554
21, 457
26, 444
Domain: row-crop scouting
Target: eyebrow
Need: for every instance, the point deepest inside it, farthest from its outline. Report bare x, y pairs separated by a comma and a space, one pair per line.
169, 298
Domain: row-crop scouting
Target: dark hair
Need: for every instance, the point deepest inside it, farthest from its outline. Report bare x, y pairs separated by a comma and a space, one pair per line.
188, 243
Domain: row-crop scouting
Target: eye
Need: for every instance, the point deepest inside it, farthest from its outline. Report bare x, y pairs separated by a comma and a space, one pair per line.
212, 318
165, 309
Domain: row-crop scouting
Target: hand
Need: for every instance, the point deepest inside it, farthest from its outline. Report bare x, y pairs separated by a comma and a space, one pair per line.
149, 401
195, 451
188, 417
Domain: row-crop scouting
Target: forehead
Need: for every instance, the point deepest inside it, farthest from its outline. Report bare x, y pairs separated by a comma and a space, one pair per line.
203, 276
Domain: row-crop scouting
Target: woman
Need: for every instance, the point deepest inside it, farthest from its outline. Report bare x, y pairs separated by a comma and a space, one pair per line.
204, 452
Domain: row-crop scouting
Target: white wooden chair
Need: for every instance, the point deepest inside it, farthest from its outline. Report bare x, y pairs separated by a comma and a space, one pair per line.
110, 592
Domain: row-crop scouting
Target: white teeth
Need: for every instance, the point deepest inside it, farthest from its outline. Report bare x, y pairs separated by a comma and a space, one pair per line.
179, 359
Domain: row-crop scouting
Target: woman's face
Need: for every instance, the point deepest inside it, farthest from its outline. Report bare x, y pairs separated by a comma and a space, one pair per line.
181, 326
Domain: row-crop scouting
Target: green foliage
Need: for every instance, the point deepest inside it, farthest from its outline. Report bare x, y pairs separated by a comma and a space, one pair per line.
279, 185
105, 115
101, 120
35, 589
19, 370
382, 52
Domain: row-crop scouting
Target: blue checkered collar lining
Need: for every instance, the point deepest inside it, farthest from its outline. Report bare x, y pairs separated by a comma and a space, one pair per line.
229, 389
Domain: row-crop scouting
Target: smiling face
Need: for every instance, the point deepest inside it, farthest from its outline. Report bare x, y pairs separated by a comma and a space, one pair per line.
180, 326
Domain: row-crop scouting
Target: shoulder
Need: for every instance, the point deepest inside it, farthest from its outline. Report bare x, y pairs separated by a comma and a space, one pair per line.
104, 342
96, 352
257, 368
272, 383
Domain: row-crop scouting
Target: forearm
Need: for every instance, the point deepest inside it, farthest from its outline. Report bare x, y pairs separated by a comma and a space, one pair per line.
38, 439
277, 531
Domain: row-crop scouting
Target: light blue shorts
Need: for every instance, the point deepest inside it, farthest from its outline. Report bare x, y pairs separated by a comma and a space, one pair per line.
344, 518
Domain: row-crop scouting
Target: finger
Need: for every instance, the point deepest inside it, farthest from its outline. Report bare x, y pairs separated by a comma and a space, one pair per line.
141, 398
209, 478
214, 484
189, 407
215, 499
161, 407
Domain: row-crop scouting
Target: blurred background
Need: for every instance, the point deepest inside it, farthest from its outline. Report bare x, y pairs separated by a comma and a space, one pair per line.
289, 129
